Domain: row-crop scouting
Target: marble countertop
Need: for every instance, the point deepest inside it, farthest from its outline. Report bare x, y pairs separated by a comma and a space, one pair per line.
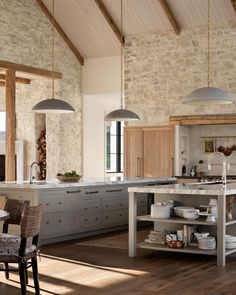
202, 189
83, 183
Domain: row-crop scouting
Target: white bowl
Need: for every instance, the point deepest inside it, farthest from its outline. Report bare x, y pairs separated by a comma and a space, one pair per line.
179, 210
191, 214
160, 211
230, 239
201, 235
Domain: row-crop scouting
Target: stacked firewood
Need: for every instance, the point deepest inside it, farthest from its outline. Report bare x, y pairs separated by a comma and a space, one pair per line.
42, 154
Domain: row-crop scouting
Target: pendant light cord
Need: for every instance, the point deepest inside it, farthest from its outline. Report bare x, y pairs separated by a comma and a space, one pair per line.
121, 54
208, 44
53, 50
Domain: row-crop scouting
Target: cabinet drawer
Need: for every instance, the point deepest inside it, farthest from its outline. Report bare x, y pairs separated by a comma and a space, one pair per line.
53, 203
115, 217
116, 190
52, 224
91, 192
90, 221
88, 206
115, 204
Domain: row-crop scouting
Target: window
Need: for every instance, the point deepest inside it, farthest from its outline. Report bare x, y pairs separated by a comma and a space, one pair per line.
114, 147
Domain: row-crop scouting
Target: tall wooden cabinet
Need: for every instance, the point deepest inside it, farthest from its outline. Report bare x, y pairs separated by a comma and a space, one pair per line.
149, 151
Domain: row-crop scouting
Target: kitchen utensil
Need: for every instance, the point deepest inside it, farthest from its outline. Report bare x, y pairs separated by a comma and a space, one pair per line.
191, 214
175, 244
180, 209
208, 243
160, 211
68, 178
220, 148
227, 151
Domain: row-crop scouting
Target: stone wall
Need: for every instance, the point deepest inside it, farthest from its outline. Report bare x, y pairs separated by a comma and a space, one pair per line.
26, 38
161, 68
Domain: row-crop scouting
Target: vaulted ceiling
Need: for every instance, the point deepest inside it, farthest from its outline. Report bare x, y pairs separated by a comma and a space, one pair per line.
91, 34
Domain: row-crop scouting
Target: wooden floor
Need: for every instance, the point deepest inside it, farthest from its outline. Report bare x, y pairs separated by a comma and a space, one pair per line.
70, 268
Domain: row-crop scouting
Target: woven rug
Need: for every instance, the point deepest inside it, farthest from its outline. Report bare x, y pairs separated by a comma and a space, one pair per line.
117, 240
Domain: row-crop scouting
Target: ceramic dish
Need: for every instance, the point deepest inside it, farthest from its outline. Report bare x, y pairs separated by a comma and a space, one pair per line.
179, 210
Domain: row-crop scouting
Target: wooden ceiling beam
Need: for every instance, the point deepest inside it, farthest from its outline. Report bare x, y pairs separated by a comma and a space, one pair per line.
61, 32
31, 70
110, 21
2, 84
233, 2
172, 20
203, 119
18, 79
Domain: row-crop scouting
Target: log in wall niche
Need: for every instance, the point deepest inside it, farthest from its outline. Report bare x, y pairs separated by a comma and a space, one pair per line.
42, 154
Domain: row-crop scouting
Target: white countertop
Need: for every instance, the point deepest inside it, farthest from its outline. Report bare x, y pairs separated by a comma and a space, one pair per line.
83, 183
203, 189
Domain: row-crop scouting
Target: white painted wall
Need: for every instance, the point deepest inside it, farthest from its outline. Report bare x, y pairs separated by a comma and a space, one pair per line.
101, 75
95, 107
101, 94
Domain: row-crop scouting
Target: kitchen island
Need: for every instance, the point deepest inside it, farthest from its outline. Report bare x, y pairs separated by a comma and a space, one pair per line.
79, 209
185, 195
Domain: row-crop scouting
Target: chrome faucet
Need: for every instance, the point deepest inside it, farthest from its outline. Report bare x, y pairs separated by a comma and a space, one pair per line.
224, 167
32, 177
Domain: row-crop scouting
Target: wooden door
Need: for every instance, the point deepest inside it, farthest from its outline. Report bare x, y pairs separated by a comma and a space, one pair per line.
133, 152
158, 151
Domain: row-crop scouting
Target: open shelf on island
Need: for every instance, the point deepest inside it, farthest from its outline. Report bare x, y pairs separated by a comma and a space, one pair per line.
193, 250
199, 221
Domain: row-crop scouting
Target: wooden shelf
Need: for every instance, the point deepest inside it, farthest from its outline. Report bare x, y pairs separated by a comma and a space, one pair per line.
231, 222
200, 221
228, 252
224, 136
193, 250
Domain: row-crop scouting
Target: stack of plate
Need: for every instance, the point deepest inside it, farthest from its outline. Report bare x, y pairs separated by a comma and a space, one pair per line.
160, 211
207, 243
230, 242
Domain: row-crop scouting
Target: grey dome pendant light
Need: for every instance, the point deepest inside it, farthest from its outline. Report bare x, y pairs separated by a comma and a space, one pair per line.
208, 95
53, 105
121, 114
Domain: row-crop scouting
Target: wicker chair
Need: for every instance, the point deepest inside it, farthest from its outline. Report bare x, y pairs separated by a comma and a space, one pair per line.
2, 202
16, 209
23, 250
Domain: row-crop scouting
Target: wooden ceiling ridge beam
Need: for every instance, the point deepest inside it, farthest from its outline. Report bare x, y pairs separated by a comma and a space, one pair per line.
110, 21
61, 32
172, 20
31, 70
18, 79
233, 2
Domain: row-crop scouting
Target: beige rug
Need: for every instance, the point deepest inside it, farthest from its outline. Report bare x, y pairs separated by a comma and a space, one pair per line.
117, 240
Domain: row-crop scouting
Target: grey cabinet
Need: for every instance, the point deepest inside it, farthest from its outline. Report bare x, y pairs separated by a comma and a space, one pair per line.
53, 213
72, 210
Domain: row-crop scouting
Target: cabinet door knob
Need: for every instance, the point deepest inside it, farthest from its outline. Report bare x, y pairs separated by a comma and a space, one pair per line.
47, 204
59, 220
47, 222
59, 203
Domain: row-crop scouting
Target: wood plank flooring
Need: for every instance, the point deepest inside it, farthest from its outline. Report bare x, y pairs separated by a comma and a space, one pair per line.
69, 268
